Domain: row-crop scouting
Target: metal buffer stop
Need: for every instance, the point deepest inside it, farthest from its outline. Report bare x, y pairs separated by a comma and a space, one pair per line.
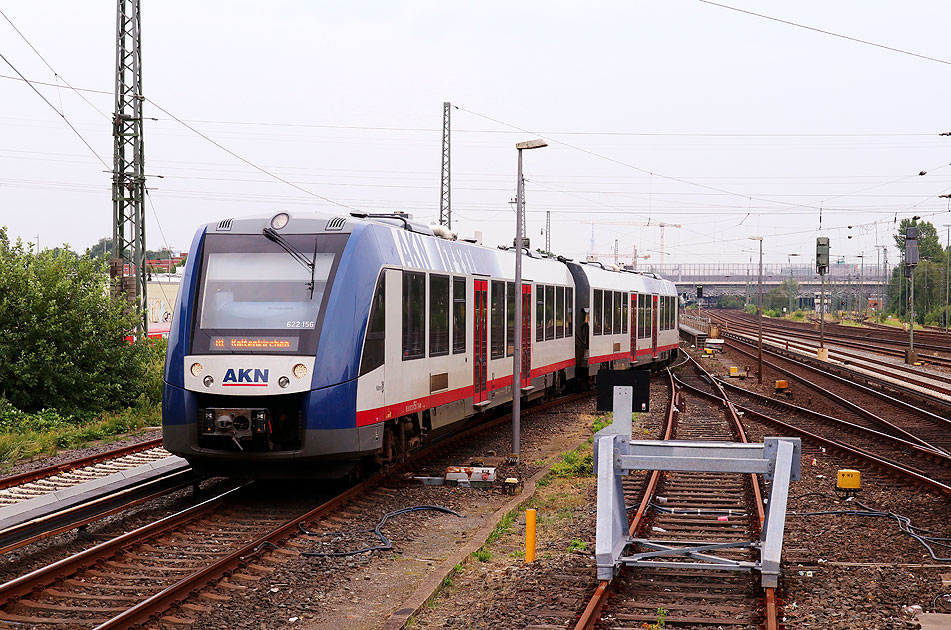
616, 455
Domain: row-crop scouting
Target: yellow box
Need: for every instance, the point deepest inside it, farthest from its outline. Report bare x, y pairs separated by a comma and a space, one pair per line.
782, 385
734, 371
707, 351
848, 479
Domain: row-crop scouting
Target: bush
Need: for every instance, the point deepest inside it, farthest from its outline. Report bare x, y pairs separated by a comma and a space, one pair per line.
62, 336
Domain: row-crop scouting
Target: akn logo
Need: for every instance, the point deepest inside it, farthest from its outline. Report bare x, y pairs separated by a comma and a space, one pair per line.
245, 378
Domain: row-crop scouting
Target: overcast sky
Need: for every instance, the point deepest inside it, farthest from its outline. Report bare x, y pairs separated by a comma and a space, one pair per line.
678, 112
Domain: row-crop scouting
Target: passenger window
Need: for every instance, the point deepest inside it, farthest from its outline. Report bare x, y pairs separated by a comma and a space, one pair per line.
617, 313
609, 312
438, 315
624, 312
569, 311
510, 319
414, 315
598, 305
549, 312
539, 312
458, 315
374, 345
497, 323
559, 312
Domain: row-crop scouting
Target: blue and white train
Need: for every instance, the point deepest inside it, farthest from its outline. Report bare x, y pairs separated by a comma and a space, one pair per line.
304, 343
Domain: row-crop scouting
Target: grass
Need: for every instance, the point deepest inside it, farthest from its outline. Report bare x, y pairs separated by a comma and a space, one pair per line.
577, 545
28, 435
482, 555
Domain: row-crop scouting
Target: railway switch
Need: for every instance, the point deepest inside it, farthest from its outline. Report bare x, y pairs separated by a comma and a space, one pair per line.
848, 482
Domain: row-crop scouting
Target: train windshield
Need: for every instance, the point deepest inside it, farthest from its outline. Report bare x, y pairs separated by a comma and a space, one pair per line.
256, 297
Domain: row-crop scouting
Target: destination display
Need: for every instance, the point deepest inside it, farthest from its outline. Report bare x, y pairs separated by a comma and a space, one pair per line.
238, 344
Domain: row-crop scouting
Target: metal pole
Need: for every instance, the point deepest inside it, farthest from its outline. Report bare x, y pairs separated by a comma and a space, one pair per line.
759, 378
911, 317
517, 359
947, 257
822, 311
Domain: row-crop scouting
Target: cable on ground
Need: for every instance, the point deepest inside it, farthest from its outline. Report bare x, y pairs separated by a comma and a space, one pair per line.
378, 531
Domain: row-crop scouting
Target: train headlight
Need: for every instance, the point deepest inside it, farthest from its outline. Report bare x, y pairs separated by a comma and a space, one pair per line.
300, 370
208, 381
283, 381
280, 220
196, 369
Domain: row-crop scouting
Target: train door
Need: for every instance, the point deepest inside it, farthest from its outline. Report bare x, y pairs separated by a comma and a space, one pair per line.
526, 371
654, 326
633, 322
479, 341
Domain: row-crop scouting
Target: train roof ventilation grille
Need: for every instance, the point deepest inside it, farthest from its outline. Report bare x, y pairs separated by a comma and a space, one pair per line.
225, 225
336, 224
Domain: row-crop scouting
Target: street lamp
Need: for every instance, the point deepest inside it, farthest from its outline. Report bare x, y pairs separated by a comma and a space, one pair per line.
759, 309
517, 358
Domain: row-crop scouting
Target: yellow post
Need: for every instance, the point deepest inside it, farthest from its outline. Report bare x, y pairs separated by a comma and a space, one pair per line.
529, 535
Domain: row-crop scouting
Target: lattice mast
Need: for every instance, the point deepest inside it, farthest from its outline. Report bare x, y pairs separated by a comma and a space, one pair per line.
445, 207
127, 267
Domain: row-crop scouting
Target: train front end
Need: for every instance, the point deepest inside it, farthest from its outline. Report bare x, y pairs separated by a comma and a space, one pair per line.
259, 374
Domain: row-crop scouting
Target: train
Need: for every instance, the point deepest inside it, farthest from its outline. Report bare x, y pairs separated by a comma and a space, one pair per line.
303, 344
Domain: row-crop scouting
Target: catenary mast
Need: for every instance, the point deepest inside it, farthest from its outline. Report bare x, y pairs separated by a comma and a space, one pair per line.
127, 267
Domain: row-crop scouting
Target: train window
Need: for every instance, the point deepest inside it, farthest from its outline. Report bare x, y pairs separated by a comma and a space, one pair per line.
539, 312
549, 312
598, 304
458, 315
414, 315
569, 310
509, 319
497, 322
670, 312
438, 315
624, 313
643, 321
559, 312
375, 343
609, 312
618, 324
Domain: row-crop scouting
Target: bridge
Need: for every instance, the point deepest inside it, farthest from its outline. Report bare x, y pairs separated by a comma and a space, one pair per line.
845, 282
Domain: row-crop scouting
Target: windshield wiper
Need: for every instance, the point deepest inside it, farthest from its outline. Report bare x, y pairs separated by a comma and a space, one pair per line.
295, 253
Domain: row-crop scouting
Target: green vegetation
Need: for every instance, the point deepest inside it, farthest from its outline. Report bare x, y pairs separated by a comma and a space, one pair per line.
447, 581
661, 620
66, 371
576, 463
577, 545
503, 527
482, 555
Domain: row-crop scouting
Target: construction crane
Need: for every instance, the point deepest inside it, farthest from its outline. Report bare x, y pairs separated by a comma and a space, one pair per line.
661, 225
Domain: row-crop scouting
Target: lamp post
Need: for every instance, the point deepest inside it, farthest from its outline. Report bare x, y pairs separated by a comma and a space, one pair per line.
517, 358
862, 299
759, 310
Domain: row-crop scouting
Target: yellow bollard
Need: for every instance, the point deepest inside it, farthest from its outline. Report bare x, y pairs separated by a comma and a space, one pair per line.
529, 535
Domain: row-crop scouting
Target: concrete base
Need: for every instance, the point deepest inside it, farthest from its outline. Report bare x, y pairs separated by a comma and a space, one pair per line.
911, 357
823, 354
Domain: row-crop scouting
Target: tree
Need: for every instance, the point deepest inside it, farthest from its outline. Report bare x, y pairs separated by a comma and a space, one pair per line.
929, 246
62, 335
102, 249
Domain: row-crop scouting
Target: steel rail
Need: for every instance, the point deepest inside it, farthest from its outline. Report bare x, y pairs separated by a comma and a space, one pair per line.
84, 513
844, 448
80, 462
925, 414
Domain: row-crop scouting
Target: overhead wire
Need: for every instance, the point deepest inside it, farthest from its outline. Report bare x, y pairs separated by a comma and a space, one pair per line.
824, 32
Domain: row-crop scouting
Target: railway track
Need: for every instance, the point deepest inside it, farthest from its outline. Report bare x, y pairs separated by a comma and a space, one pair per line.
820, 433
34, 483
216, 548
689, 506
860, 404
883, 340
